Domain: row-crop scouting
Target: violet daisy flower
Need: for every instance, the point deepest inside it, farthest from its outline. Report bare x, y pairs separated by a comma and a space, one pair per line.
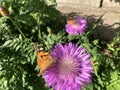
72, 69
76, 25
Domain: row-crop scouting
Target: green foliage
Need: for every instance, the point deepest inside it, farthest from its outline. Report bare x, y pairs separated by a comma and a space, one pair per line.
38, 21
26, 24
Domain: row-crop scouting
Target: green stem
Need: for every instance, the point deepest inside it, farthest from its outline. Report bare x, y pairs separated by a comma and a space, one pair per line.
40, 14
39, 27
39, 30
17, 27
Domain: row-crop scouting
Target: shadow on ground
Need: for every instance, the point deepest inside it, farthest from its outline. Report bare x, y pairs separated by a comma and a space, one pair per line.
117, 1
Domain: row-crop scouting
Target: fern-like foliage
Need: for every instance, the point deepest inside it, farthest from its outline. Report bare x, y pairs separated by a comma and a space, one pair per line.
37, 21
25, 24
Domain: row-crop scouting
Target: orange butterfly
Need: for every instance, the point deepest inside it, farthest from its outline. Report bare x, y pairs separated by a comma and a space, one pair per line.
44, 59
70, 20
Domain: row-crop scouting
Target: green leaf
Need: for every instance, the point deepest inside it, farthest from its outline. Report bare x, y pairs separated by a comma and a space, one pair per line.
114, 85
7, 43
110, 48
114, 75
95, 42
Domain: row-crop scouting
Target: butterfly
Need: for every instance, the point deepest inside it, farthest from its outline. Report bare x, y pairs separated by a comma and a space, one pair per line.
44, 59
3, 11
70, 20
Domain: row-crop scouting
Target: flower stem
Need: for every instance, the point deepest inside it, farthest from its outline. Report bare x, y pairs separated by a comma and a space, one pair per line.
17, 27
40, 14
39, 30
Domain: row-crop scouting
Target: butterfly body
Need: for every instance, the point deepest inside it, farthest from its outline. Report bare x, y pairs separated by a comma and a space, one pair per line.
44, 60
70, 20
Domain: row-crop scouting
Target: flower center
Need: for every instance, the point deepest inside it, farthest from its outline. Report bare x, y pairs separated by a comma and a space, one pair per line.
67, 66
76, 25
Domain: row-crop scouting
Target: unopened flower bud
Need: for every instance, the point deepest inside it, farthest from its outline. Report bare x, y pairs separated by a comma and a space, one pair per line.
3, 11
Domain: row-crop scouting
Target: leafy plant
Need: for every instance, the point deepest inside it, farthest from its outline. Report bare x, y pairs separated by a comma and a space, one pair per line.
30, 21
26, 23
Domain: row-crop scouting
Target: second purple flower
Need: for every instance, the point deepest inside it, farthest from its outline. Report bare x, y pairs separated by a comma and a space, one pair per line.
76, 25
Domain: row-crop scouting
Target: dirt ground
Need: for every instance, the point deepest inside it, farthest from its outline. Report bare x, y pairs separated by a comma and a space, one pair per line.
109, 24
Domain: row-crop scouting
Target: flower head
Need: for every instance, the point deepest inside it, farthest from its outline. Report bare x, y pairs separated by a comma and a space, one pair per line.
76, 26
3, 11
72, 68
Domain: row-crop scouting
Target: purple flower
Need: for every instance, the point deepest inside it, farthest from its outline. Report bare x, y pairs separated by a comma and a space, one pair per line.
72, 69
77, 26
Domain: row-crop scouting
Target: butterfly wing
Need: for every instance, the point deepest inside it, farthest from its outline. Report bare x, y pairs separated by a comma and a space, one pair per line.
44, 60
